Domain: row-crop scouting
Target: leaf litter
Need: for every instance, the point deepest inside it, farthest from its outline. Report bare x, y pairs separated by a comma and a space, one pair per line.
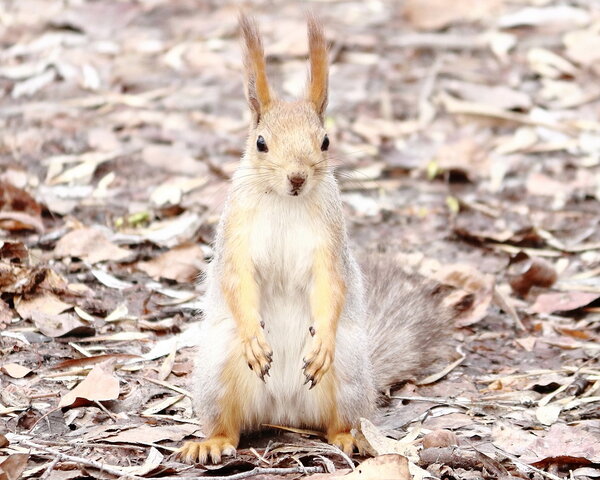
474, 127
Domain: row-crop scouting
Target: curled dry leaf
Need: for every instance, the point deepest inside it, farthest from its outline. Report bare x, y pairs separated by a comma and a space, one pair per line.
18, 209
91, 245
101, 384
379, 444
14, 252
527, 272
151, 463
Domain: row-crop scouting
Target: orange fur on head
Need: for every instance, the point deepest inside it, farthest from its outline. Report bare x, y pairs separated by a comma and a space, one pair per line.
257, 85
319, 70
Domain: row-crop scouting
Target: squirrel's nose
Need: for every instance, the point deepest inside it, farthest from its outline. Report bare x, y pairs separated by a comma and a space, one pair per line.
297, 180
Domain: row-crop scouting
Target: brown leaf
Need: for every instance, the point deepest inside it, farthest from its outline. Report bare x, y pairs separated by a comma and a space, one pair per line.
6, 314
182, 264
91, 245
563, 301
44, 303
440, 438
18, 209
15, 370
100, 385
531, 272
13, 466
14, 252
49, 314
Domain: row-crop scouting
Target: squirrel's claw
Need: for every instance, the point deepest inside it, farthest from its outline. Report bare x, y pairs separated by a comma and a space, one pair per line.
318, 362
258, 354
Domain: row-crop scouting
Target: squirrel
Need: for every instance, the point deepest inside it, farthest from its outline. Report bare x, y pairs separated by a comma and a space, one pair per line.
294, 332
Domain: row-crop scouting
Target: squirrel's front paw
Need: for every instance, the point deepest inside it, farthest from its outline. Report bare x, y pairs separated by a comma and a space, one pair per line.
258, 353
318, 361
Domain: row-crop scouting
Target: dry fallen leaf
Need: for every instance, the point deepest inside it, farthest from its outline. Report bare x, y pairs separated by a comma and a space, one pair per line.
383, 467
527, 272
152, 462
182, 264
440, 438
562, 301
100, 384
560, 444
583, 46
91, 245
548, 414
15, 370
13, 466
379, 444
18, 209
49, 314
435, 14
145, 434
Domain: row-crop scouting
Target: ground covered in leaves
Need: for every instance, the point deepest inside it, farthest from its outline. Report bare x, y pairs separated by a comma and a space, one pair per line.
466, 136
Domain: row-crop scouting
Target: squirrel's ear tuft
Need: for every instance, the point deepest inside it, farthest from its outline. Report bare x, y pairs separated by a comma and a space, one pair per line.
319, 70
256, 83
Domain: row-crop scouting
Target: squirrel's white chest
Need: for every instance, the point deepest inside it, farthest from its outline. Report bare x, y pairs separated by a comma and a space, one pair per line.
283, 239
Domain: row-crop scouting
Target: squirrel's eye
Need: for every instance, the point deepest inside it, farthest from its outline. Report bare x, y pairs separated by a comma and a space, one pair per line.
261, 145
325, 144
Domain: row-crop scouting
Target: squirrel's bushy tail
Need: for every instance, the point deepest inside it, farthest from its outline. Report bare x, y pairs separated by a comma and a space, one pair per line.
408, 322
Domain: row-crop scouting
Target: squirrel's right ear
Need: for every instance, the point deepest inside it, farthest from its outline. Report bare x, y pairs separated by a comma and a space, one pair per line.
257, 85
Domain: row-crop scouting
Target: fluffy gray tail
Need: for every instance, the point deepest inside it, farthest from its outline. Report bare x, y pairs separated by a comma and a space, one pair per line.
408, 322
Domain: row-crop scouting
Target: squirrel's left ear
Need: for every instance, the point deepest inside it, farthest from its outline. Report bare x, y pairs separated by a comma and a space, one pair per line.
257, 88
319, 69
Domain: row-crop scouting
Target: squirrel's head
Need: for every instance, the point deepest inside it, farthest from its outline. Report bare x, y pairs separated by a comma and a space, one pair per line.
287, 145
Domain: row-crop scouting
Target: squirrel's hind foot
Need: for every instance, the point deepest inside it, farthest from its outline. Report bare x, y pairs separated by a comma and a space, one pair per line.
213, 448
344, 441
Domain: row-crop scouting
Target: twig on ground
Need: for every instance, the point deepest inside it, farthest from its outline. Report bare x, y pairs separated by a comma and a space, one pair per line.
258, 471
168, 385
113, 470
48, 470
